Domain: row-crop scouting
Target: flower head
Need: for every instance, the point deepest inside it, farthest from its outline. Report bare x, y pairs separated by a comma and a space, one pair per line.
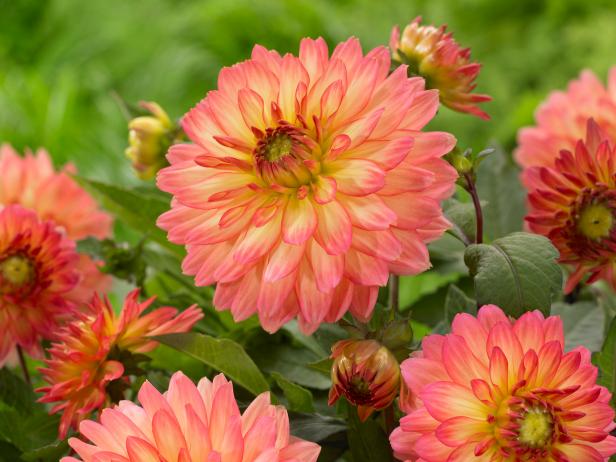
433, 54
573, 202
366, 373
86, 359
308, 183
39, 276
149, 138
192, 423
501, 390
32, 182
562, 118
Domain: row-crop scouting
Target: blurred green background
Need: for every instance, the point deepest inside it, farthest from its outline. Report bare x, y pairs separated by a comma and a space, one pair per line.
60, 60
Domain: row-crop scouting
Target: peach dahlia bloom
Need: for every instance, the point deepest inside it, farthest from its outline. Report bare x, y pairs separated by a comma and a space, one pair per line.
308, 182
192, 423
434, 54
500, 390
561, 119
88, 354
573, 202
32, 182
38, 280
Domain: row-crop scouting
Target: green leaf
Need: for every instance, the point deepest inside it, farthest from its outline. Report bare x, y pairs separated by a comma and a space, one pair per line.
499, 185
221, 354
50, 452
605, 360
456, 301
324, 366
138, 208
463, 218
367, 440
583, 324
15, 392
315, 427
299, 398
517, 272
413, 288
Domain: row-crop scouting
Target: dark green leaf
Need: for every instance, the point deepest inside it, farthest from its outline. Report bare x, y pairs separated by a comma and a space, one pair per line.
367, 440
456, 302
138, 208
413, 288
462, 217
15, 392
583, 323
324, 366
499, 185
223, 355
51, 452
299, 398
517, 272
605, 360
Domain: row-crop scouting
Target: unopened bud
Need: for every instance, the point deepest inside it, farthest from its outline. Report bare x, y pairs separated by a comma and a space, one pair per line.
149, 137
366, 373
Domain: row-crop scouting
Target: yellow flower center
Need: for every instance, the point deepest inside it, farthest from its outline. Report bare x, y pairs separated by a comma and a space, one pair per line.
278, 146
17, 270
595, 221
536, 429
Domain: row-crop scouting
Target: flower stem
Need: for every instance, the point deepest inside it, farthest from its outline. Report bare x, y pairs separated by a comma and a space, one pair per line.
24, 367
390, 419
472, 189
394, 294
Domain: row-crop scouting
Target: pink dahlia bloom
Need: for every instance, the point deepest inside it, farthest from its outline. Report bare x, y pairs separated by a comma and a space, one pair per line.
308, 182
561, 119
87, 355
499, 390
192, 423
32, 182
39, 278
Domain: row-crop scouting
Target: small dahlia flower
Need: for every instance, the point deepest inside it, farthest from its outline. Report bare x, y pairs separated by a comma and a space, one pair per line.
573, 203
561, 120
38, 280
32, 182
500, 390
366, 373
192, 423
86, 359
149, 137
308, 182
433, 54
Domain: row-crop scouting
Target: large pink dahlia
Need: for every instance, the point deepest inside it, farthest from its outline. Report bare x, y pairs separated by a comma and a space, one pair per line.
498, 390
308, 182
561, 119
192, 424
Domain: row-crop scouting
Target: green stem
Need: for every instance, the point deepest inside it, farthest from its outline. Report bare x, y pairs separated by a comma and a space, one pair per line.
24, 367
394, 295
390, 419
471, 188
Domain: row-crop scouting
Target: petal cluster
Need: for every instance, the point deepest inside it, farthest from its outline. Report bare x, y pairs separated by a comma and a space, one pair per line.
433, 54
496, 389
32, 182
573, 202
39, 278
191, 423
308, 182
561, 119
366, 373
88, 354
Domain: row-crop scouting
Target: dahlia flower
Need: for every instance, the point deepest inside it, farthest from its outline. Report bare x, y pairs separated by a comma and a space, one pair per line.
366, 373
308, 182
561, 120
433, 54
32, 182
497, 389
87, 356
38, 277
192, 423
573, 202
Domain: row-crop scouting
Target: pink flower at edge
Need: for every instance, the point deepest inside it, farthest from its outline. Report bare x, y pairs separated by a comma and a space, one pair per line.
308, 183
191, 423
498, 390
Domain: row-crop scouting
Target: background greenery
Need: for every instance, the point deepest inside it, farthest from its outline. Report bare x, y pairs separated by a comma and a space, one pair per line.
60, 60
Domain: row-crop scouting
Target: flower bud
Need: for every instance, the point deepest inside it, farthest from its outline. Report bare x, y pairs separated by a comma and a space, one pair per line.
366, 373
149, 137
433, 54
